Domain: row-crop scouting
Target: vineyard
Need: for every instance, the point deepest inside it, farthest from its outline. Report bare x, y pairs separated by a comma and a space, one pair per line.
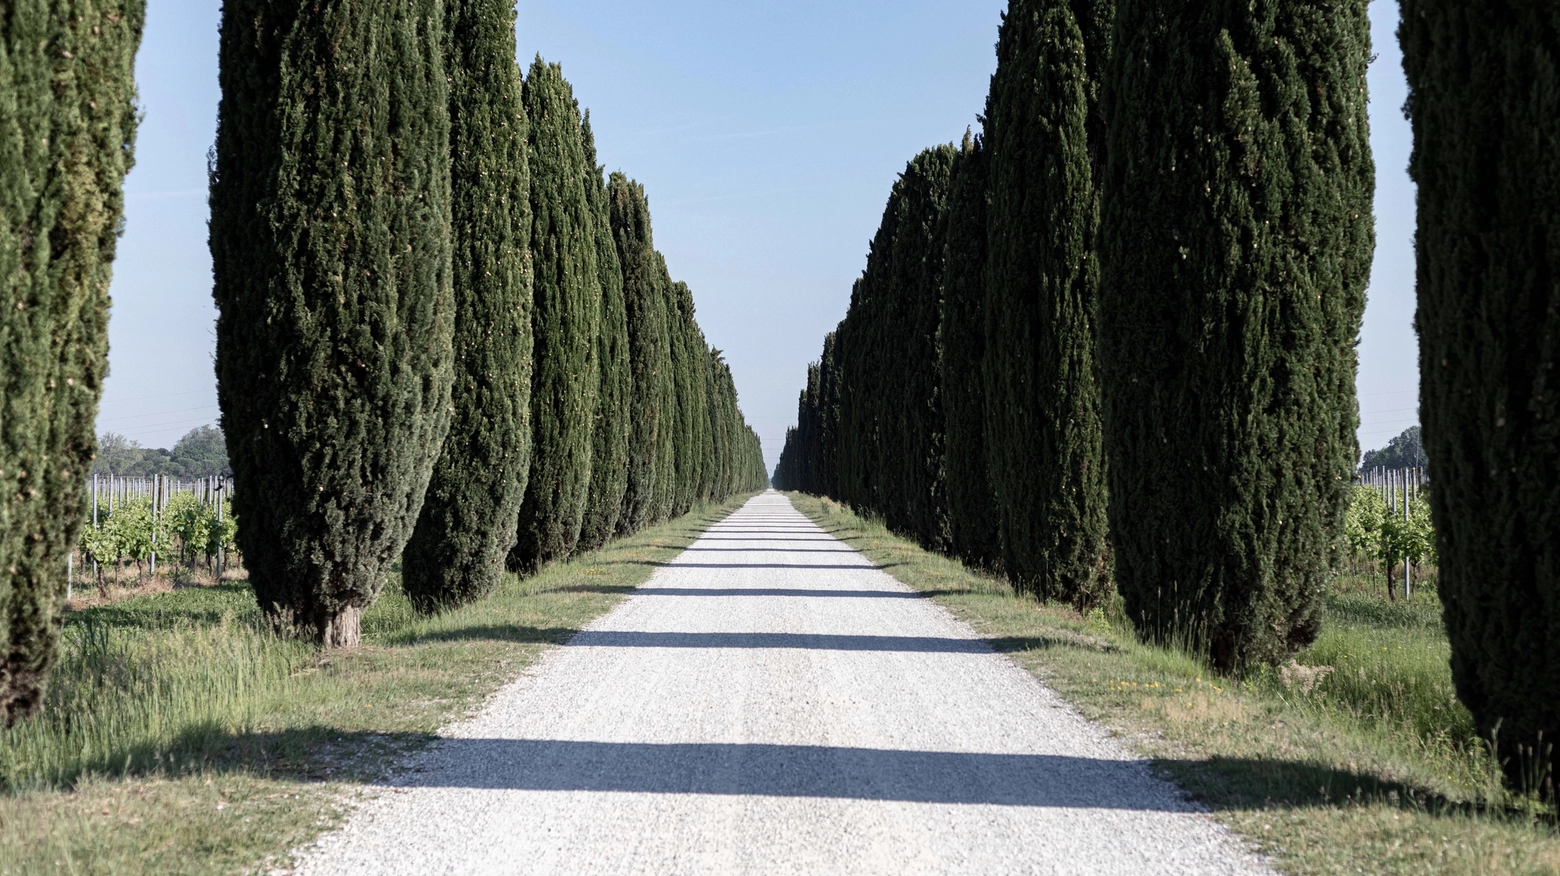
137, 521
1387, 529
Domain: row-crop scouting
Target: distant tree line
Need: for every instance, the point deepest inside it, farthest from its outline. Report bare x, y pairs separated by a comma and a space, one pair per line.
1404, 451
1109, 344
443, 335
201, 453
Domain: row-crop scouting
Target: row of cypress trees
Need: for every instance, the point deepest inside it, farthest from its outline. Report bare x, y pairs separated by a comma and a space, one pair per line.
443, 335
67, 131
1109, 343
1152, 276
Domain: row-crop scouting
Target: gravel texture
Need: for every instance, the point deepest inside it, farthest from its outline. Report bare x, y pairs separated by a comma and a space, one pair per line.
771, 702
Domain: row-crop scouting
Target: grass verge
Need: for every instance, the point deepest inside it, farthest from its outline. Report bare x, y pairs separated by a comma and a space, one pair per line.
1371, 767
179, 737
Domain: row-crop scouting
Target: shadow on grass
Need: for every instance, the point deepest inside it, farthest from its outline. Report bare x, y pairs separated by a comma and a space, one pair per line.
492, 633
193, 606
1245, 784
315, 753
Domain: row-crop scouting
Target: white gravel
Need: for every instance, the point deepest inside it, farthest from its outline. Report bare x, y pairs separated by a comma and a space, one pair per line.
770, 702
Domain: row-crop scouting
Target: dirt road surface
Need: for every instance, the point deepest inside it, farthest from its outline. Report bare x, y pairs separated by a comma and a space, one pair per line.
770, 702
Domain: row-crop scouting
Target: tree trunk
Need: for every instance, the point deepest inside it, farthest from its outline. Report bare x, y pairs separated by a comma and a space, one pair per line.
341, 629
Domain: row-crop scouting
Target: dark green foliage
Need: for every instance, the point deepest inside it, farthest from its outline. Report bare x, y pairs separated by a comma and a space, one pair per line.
67, 125
467, 524
609, 458
664, 493
1404, 451
961, 343
688, 351
1042, 278
890, 407
1236, 243
330, 245
1484, 98
648, 356
566, 320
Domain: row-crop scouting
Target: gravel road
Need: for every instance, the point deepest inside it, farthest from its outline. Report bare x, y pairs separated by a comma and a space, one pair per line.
771, 702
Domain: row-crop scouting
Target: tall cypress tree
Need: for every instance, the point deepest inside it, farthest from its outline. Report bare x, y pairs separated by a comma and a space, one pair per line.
972, 515
565, 322
825, 470
330, 242
1484, 98
663, 497
609, 458
467, 524
1236, 244
66, 136
629, 214
856, 441
1042, 277
688, 386
913, 459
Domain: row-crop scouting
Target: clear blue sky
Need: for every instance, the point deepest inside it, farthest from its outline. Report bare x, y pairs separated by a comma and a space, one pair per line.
767, 135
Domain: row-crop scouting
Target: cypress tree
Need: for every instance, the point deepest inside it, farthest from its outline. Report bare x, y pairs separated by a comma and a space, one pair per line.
888, 446
688, 385
721, 415
467, 524
566, 320
1236, 243
330, 241
824, 448
858, 427
1043, 419
66, 136
915, 499
629, 214
664, 495
972, 515
1484, 99
609, 458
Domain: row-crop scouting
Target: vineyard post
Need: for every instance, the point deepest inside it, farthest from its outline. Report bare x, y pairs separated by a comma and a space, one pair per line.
221, 484
152, 488
1408, 564
95, 572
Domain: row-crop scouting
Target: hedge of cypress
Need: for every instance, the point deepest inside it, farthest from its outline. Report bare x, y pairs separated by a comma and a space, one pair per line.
629, 214
688, 380
887, 454
972, 510
66, 80
566, 320
663, 494
1176, 294
1484, 100
467, 524
331, 260
1042, 279
609, 457
1236, 243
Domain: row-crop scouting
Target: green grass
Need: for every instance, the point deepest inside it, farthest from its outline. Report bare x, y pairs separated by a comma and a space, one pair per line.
178, 736
1375, 769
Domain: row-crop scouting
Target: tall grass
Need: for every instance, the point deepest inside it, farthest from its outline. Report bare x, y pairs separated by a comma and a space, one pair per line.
176, 681
155, 682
